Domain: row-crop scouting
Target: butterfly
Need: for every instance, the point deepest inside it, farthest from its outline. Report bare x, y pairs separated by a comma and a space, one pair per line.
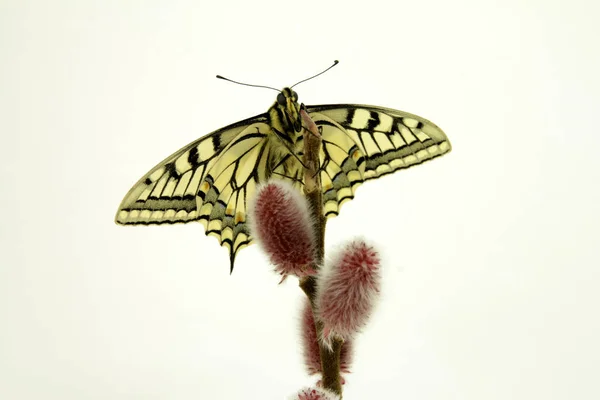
212, 179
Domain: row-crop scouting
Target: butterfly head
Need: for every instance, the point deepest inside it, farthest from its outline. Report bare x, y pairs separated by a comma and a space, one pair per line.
287, 110
286, 96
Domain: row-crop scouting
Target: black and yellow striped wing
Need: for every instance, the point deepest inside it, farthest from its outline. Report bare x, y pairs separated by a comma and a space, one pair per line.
211, 179
377, 141
167, 194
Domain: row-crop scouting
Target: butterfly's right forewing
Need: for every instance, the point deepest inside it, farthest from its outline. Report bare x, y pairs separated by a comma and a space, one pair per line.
167, 194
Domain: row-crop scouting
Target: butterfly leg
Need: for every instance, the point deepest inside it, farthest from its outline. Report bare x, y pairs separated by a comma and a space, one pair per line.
293, 179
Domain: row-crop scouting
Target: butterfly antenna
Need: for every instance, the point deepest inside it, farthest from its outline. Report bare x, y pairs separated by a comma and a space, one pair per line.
320, 73
246, 84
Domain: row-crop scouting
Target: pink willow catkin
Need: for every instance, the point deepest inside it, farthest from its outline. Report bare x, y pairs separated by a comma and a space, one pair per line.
315, 394
280, 221
347, 290
347, 287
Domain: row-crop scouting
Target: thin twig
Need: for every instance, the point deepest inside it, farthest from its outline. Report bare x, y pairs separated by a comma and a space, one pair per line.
330, 359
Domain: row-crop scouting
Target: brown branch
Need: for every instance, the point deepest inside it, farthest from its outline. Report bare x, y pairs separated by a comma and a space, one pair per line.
330, 359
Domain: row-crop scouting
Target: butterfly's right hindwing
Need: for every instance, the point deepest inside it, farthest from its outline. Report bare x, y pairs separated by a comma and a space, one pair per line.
230, 182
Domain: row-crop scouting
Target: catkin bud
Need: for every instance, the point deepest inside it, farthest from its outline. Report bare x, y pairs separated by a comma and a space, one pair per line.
280, 222
347, 290
315, 394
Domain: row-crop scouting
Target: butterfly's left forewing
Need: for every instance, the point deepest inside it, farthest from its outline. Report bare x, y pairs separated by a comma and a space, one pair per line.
342, 164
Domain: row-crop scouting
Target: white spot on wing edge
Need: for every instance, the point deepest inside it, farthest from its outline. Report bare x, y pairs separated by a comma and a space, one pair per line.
330, 206
344, 192
396, 163
422, 154
122, 217
382, 169
241, 237
215, 225
157, 215
433, 149
169, 214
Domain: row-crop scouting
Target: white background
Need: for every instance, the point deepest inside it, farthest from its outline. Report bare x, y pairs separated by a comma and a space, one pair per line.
491, 264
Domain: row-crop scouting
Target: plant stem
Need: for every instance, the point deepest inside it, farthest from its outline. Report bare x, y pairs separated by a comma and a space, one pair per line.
330, 359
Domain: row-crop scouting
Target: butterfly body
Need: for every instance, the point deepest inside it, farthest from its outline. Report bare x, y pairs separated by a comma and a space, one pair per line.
211, 179
286, 137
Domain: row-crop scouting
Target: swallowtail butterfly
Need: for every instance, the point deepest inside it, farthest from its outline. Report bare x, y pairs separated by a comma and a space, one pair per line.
211, 179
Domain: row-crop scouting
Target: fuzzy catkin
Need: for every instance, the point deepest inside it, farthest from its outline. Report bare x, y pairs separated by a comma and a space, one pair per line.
347, 289
280, 222
315, 394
